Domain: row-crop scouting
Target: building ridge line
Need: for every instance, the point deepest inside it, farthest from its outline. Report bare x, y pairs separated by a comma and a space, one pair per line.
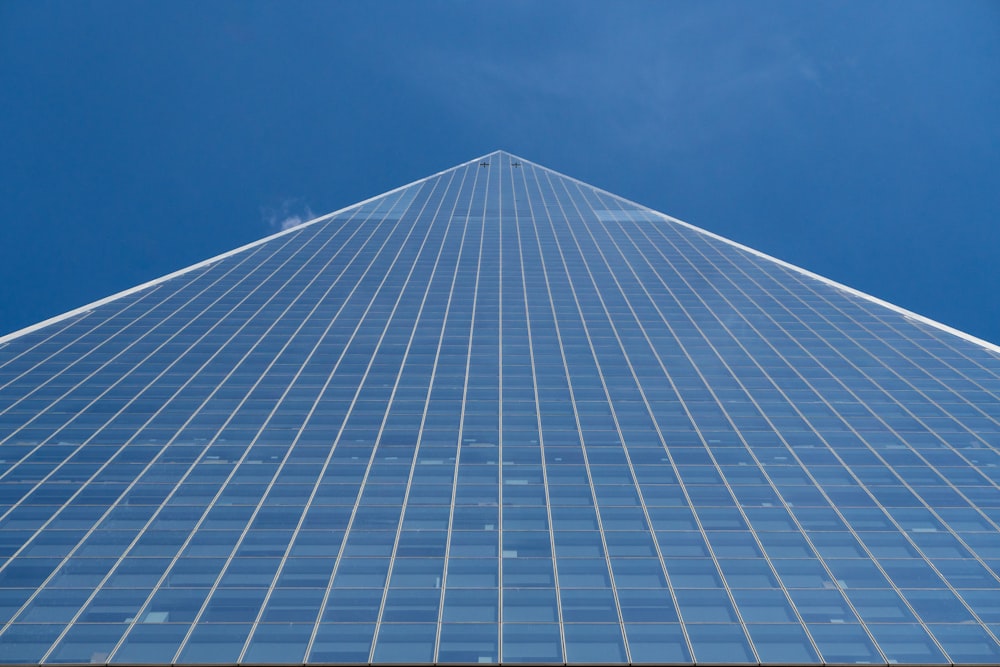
923, 319
17, 333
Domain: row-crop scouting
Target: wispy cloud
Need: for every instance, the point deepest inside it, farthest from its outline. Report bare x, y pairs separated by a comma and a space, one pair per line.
289, 213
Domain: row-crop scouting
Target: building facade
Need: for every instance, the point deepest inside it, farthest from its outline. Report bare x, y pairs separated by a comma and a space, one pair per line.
498, 415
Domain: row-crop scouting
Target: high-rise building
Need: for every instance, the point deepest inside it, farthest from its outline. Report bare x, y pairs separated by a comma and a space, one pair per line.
498, 415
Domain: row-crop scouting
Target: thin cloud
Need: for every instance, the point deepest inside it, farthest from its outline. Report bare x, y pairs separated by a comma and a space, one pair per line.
290, 213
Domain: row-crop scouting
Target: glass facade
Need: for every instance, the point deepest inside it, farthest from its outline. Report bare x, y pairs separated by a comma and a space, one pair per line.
498, 415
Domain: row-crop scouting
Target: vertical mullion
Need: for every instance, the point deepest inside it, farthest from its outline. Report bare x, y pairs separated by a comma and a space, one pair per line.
532, 222
449, 219
427, 402
111, 507
257, 508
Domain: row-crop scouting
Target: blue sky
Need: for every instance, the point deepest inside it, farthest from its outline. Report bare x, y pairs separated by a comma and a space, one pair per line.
860, 140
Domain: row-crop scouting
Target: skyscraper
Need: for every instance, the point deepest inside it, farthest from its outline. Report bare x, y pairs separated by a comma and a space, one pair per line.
498, 415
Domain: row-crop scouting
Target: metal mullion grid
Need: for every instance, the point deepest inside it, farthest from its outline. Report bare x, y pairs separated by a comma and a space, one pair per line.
136, 364
902, 334
249, 391
385, 417
67, 323
922, 392
576, 414
988, 481
738, 505
639, 324
319, 394
162, 305
127, 404
819, 487
40, 483
902, 481
253, 516
430, 389
872, 311
461, 429
413, 462
646, 260
70, 322
749, 449
326, 463
913, 341
500, 481
69, 390
631, 367
423, 421
942, 340
945, 342
386, 327
82, 486
538, 408
791, 450
155, 514
461, 420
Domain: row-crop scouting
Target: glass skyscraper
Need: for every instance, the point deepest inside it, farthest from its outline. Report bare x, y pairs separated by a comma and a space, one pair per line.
498, 415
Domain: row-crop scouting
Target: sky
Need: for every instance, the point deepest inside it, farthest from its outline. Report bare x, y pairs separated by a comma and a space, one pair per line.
858, 140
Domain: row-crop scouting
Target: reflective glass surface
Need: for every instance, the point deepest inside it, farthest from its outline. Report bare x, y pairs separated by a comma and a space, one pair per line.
497, 415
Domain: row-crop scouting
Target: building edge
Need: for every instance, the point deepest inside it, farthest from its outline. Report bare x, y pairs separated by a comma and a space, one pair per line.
992, 347
6, 338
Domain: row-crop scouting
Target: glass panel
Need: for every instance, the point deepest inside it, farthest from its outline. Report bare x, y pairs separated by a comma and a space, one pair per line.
705, 606
529, 606
215, 642
656, 643
594, 642
844, 643
967, 643
713, 642
151, 644
87, 643
342, 642
28, 642
906, 642
764, 606
405, 642
782, 643
470, 605
469, 643
538, 642
646, 606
